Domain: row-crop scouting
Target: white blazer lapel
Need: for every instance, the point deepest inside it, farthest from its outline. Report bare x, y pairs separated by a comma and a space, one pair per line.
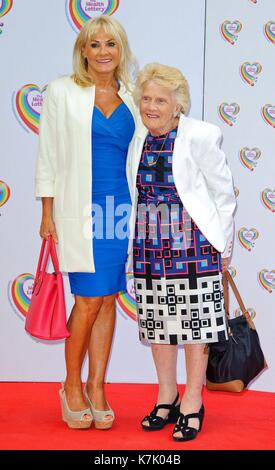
128, 100
134, 155
181, 150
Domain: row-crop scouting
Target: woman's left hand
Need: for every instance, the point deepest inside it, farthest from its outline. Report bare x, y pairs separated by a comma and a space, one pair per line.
225, 264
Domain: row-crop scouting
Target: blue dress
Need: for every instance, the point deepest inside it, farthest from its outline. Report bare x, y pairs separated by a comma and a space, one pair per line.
111, 205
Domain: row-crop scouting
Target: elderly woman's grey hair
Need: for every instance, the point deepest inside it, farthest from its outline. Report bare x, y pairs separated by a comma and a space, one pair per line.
169, 77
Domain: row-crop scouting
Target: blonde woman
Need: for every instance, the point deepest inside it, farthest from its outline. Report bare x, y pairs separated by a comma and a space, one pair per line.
87, 122
183, 195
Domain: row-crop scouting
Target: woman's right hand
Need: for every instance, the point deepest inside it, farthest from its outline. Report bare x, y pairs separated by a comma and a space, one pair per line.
47, 228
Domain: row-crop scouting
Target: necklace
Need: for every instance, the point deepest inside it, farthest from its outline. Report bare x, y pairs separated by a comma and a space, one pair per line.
106, 90
150, 159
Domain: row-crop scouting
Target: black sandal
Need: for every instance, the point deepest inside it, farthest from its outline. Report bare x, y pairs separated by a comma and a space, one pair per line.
157, 422
187, 432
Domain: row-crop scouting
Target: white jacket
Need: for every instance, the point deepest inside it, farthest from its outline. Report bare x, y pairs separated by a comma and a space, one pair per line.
201, 176
64, 167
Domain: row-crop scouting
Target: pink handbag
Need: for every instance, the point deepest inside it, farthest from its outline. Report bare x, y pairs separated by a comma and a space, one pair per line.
46, 317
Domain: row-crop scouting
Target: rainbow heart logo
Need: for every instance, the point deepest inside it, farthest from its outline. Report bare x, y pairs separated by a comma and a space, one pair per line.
249, 157
5, 7
250, 71
232, 271
250, 310
4, 193
21, 292
247, 237
269, 31
228, 112
268, 113
126, 301
268, 199
267, 279
230, 30
80, 11
236, 191
27, 105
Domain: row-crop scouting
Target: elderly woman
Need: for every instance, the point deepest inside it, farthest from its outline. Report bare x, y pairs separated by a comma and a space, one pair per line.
87, 122
182, 190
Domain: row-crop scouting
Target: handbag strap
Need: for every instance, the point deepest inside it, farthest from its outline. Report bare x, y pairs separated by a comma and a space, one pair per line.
54, 255
228, 278
51, 250
41, 256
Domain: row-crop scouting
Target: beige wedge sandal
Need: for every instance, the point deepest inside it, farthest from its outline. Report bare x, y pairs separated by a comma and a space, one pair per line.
74, 419
99, 415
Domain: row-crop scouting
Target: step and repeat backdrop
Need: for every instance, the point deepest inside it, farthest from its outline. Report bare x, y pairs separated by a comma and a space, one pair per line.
36, 44
226, 52
240, 98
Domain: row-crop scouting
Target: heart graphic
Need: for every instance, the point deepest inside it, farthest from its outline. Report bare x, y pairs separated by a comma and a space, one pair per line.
250, 310
236, 191
249, 157
267, 279
229, 112
268, 113
5, 7
4, 193
268, 198
21, 292
250, 71
232, 271
80, 11
27, 105
229, 30
126, 301
247, 237
254, 1
269, 30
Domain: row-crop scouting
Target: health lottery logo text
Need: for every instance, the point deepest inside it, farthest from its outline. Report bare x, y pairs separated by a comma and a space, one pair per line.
20, 292
230, 31
266, 279
247, 237
268, 114
268, 199
80, 11
228, 112
126, 301
269, 31
27, 105
249, 157
250, 71
5, 7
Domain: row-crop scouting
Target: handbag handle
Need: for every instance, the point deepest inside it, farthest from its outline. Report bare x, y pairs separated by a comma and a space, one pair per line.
51, 250
228, 278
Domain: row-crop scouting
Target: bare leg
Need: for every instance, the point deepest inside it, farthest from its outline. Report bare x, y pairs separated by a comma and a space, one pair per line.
196, 363
81, 321
165, 359
99, 350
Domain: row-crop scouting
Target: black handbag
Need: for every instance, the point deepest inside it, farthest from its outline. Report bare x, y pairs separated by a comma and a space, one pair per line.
234, 363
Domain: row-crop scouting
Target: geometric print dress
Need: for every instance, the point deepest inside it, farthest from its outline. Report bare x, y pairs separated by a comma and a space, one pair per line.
177, 272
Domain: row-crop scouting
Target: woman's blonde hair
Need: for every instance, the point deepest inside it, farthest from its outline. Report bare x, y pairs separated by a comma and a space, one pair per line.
112, 27
169, 77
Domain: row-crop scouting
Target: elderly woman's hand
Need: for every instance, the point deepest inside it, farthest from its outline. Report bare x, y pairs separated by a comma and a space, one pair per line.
225, 264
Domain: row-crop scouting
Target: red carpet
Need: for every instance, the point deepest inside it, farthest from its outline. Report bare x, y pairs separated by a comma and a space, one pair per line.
30, 419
